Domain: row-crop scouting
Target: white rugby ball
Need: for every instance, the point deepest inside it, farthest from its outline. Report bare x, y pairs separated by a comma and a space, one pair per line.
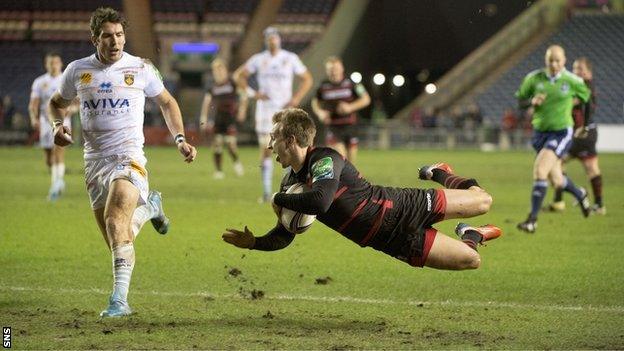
296, 222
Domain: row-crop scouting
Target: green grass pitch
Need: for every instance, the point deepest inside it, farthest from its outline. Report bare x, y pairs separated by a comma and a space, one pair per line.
561, 288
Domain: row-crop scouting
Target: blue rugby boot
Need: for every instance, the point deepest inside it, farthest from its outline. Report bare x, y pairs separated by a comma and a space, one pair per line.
159, 221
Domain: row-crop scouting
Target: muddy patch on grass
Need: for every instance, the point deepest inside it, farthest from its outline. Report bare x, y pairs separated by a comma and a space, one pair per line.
323, 280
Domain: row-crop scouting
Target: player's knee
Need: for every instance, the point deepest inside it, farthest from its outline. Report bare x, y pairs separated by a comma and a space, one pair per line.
114, 224
472, 260
485, 202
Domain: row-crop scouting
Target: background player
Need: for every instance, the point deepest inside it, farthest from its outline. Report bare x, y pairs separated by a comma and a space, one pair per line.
584, 147
396, 221
336, 102
550, 91
275, 69
43, 88
223, 98
112, 86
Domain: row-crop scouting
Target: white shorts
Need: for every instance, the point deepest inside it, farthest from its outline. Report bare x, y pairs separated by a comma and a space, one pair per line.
263, 140
46, 132
264, 116
100, 174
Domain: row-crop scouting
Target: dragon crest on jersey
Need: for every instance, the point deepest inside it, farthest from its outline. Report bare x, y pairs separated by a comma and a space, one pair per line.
323, 169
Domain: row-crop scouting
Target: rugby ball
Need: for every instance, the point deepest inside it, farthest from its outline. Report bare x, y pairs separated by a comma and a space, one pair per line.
296, 222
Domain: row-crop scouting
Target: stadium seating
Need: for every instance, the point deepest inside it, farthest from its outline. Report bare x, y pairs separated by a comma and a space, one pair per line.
600, 37
23, 62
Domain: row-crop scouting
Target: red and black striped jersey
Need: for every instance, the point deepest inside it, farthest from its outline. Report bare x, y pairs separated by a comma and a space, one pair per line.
224, 97
343, 199
577, 111
330, 94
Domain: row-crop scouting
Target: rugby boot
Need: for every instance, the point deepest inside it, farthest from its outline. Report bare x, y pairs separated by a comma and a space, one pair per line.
488, 231
159, 221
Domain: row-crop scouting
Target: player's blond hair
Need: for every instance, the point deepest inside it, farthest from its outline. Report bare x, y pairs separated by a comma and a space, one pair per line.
333, 59
105, 14
218, 62
296, 122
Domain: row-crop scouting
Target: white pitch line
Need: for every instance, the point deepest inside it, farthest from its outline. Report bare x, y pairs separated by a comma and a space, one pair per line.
347, 299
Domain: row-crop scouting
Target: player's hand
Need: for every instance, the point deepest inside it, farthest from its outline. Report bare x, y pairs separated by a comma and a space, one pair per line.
324, 116
261, 96
188, 151
243, 239
294, 102
538, 99
62, 135
34, 123
207, 127
277, 209
581, 132
344, 108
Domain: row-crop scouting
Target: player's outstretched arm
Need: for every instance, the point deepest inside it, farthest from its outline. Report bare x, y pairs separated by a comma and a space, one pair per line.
173, 117
57, 109
276, 239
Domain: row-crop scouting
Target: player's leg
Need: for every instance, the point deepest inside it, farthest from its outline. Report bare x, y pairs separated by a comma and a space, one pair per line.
231, 143
266, 166
217, 147
352, 150
340, 147
466, 203
592, 169
563, 182
558, 204
58, 161
120, 205
443, 252
543, 164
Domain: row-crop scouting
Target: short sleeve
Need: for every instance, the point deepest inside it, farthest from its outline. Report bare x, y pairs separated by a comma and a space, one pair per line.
35, 90
298, 66
153, 81
252, 64
526, 88
67, 89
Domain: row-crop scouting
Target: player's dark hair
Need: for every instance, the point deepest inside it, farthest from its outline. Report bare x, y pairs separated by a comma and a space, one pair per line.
296, 122
586, 62
105, 14
52, 54
332, 59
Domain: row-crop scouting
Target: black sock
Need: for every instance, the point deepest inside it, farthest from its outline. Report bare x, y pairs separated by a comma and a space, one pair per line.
596, 183
558, 195
217, 160
451, 181
472, 238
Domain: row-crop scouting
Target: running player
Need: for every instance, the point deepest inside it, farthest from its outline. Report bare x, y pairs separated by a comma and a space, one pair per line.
396, 221
223, 98
550, 92
275, 69
337, 100
584, 148
112, 86
42, 89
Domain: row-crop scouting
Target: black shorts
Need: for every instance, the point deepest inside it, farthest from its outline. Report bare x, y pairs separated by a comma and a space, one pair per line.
406, 233
225, 123
345, 133
584, 148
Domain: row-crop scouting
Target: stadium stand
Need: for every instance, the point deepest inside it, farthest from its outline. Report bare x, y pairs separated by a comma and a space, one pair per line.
598, 36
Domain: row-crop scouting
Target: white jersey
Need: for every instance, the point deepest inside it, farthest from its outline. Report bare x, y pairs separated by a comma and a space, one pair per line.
275, 76
112, 101
43, 88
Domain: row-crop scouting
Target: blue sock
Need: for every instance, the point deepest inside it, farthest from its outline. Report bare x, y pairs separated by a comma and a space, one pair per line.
569, 186
537, 196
